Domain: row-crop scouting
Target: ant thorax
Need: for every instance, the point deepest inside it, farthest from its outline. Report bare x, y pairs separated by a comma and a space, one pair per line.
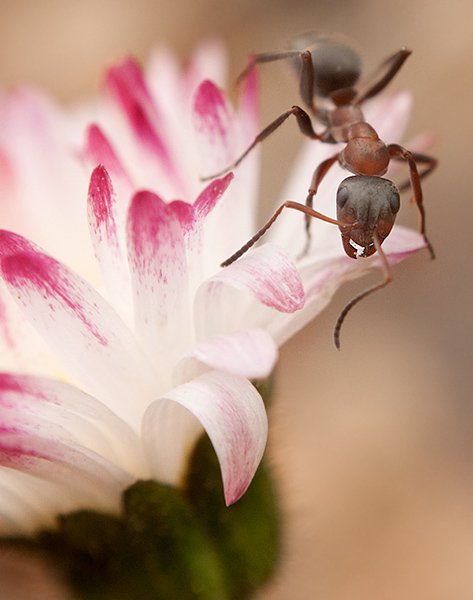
365, 153
341, 120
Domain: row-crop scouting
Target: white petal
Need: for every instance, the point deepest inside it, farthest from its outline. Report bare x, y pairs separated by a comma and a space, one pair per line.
232, 413
93, 479
249, 353
108, 247
58, 407
92, 341
159, 276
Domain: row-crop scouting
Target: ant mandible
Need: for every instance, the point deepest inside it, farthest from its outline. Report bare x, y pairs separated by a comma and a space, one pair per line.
367, 203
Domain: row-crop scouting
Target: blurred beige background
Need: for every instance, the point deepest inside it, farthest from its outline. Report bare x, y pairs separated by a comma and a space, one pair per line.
372, 446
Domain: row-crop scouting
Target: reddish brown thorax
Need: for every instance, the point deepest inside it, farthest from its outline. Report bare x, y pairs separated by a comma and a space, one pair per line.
365, 153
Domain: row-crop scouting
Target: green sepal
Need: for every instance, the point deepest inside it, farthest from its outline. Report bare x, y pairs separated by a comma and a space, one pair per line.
246, 534
155, 549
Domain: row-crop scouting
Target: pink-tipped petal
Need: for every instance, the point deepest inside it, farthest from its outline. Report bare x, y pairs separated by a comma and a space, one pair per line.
80, 326
232, 413
99, 151
157, 261
214, 122
103, 226
127, 85
265, 274
210, 195
249, 353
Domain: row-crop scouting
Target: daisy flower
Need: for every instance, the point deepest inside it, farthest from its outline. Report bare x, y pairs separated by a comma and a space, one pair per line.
121, 339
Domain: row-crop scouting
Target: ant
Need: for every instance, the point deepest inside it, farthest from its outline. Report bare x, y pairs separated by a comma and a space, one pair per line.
367, 203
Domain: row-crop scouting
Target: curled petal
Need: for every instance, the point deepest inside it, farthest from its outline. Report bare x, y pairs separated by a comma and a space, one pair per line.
232, 413
266, 274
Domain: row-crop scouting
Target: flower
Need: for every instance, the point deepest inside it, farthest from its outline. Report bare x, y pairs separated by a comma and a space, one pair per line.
129, 355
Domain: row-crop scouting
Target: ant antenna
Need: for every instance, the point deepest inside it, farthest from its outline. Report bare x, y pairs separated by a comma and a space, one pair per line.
388, 277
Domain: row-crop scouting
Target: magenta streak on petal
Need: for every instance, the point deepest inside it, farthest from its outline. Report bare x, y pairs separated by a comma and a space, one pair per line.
100, 151
101, 201
184, 213
209, 197
11, 243
249, 100
148, 221
36, 271
270, 275
129, 88
211, 108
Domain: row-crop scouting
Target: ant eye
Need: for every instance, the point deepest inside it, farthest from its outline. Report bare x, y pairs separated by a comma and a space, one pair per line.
342, 196
394, 200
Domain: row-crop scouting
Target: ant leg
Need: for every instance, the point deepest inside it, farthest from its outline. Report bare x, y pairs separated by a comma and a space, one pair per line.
394, 63
289, 204
305, 126
388, 277
420, 159
317, 177
306, 84
400, 153
265, 57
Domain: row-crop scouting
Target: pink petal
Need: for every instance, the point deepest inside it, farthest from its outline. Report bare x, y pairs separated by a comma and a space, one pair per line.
232, 413
211, 194
249, 353
128, 87
103, 216
265, 273
99, 151
157, 261
89, 337
215, 124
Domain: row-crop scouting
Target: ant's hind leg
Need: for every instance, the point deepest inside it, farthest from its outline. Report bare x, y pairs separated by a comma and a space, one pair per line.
393, 63
306, 83
265, 57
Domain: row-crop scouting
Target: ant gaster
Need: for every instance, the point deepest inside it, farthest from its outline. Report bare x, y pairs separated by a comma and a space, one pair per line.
367, 204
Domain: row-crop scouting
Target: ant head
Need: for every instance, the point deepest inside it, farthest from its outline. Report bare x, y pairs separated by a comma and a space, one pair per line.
367, 205
336, 65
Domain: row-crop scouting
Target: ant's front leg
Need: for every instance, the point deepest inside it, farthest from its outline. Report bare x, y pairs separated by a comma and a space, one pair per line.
429, 161
289, 204
305, 126
394, 63
317, 177
398, 152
